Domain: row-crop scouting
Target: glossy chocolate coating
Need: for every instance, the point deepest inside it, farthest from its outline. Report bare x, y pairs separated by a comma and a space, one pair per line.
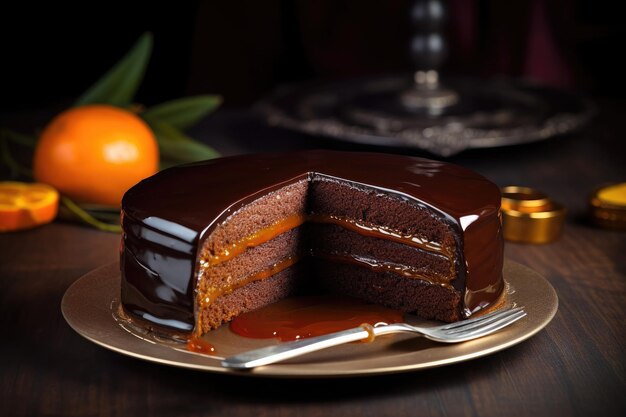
167, 216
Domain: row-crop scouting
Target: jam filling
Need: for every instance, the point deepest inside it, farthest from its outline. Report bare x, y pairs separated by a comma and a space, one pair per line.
255, 239
291, 222
207, 296
382, 266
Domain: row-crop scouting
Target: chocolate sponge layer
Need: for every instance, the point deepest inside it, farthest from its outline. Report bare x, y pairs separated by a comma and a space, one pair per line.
289, 245
351, 201
323, 197
404, 294
252, 296
261, 213
334, 240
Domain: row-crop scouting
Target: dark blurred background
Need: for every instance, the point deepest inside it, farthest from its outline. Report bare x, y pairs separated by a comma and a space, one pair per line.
244, 49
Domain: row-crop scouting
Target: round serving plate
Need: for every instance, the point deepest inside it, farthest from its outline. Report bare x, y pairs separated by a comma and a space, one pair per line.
90, 306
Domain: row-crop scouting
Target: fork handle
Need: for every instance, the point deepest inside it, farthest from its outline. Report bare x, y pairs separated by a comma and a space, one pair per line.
284, 351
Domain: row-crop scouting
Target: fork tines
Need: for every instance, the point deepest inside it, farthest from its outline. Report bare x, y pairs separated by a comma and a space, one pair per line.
482, 320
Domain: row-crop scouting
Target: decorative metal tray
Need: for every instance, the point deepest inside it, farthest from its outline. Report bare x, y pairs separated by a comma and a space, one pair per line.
371, 111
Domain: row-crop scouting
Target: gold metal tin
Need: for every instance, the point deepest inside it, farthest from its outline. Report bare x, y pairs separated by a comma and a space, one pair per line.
607, 206
523, 199
529, 216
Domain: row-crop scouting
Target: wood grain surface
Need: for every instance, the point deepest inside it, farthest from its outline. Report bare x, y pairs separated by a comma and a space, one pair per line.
575, 366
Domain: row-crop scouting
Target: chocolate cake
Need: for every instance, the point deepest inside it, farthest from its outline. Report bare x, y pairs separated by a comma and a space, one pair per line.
205, 242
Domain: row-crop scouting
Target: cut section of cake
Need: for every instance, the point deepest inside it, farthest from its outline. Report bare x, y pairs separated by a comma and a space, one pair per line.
206, 242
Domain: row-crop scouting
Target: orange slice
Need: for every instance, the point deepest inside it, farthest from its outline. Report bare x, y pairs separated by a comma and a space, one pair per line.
25, 205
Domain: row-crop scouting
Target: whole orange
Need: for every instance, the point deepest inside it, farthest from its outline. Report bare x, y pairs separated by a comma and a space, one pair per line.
95, 153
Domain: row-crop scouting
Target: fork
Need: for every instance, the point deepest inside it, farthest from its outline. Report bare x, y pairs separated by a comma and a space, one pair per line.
460, 331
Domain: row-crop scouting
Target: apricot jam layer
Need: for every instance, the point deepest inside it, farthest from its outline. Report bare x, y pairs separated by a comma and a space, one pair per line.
291, 222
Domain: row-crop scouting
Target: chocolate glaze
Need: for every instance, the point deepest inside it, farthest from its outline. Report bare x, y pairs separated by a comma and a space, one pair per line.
166, 218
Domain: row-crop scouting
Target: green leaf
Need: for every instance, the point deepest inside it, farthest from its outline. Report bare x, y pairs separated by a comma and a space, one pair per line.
76, 212
118, 86
183, 113
174, 146
6, 157
19, 138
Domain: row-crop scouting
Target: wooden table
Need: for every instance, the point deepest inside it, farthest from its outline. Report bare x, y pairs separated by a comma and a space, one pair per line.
575, 366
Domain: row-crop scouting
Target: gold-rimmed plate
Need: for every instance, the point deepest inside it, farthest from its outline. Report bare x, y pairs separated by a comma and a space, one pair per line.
90, 308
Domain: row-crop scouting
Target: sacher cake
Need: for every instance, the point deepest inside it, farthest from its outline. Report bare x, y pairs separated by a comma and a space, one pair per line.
205, 242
